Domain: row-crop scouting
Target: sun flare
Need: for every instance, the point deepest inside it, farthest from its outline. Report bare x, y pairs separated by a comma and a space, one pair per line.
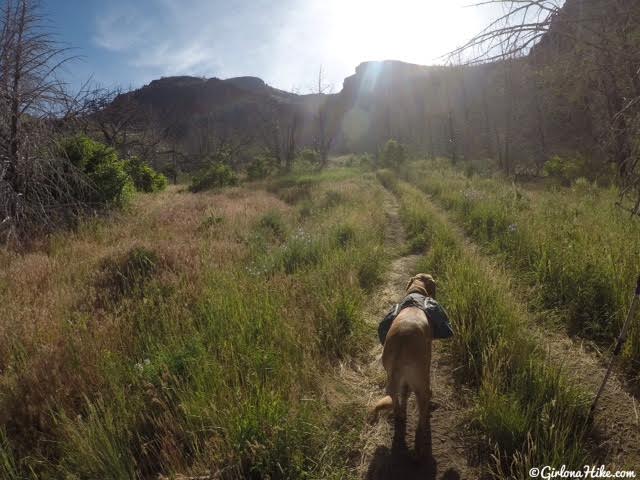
411, 30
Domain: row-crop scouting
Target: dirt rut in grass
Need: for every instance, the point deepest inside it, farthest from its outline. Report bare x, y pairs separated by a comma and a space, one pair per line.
615, 440
452, 450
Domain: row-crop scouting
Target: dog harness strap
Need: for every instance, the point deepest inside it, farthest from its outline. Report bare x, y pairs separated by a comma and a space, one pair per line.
436, 314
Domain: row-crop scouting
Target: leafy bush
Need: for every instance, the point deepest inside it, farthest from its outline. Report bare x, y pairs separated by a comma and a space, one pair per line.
344, 235
332, 198
310, 155
113, 185
210, 222
273, 223
216, 176
388, 180
582, 186
566, 170
308, 160
342, 317
109, 181
145, 178
359, 160
261, 167
371, 271
299, 252
393, 154
171, 172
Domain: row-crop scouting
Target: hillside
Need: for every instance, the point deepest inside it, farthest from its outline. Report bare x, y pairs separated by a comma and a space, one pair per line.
460, 111
572, 95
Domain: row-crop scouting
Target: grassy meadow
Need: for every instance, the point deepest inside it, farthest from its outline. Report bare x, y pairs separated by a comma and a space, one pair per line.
191, 334
196, 334
576, 249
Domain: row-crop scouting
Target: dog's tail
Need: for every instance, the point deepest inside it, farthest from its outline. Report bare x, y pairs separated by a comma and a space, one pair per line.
385, 403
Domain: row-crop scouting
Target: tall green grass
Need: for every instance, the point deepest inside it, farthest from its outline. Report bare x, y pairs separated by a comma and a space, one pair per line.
528, 412
225, 381
579, 251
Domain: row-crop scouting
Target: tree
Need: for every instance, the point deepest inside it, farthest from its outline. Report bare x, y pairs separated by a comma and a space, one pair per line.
37, 189
214, 139
598, 39
324, 130
125, 125
523, 24
279, 131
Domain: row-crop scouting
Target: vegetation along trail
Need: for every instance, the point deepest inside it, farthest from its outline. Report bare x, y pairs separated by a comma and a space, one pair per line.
616, 425
528, 404
130, 347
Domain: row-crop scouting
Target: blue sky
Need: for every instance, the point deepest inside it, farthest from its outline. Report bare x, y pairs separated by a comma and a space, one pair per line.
129, 43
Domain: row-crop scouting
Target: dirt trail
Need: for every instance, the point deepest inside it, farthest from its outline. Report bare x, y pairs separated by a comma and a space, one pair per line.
616, 431
452, 453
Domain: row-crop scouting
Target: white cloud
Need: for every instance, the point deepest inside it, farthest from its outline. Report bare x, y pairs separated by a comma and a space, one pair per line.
121, 30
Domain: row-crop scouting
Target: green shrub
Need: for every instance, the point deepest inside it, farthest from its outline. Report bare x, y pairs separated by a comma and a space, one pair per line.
342, 317
274, 224
261, 167
470, 169
113, 186
299, 252
171, 171
344, 235
388, 179
295, 192
308, 160
565, 169
86, 154
145, 178
209, 222
359, 160
393, 155
160, 182
371, 271
216, 176
109, 182
332, 198
309, 155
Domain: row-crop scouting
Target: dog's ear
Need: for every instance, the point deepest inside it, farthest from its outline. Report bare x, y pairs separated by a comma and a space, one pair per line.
429, 284
410, 282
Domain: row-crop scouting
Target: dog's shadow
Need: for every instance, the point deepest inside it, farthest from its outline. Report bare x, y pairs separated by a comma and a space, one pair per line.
398, 462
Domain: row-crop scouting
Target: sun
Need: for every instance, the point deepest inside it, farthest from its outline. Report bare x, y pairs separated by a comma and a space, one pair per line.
418, 31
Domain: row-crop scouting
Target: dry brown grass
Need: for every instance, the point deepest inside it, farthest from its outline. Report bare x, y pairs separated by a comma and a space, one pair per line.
164, 283
51, 324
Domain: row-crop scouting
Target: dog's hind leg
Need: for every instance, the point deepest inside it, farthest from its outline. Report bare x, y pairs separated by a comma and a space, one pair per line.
423, 398
400, 402
423, 429
399, 397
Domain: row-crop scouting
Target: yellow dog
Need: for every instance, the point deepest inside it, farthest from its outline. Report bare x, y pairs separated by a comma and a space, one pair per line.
406, 357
